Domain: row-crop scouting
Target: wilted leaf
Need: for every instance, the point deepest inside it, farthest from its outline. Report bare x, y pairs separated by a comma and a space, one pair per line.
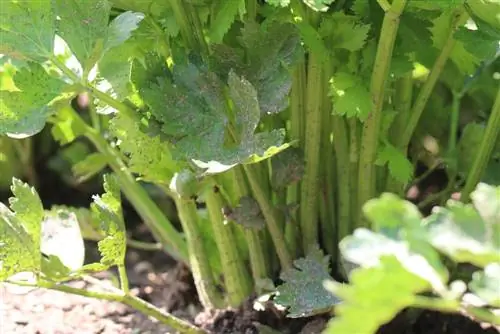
303, 291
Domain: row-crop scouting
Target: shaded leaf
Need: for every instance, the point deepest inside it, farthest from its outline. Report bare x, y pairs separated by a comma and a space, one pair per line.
344, 32
303, 291
287, 168
226, 13
247, 214
262, 57
90, 166
350, 96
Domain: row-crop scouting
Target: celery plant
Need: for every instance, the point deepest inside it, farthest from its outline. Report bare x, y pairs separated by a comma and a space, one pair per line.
247, 109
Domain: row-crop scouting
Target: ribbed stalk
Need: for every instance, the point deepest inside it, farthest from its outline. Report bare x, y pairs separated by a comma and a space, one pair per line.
341, 146
484, 153
425, 92
371, 127
312, 143
189, 24
297, 107
259, 263
271, 216
209, 296
236, 277
402, 101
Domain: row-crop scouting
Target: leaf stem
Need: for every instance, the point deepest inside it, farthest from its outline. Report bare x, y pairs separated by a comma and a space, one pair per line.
454, 306
483, 155
297, 106
371, 128
190, 27
160, 226
120, 106
425, 92
341, 146
127, 299
312, 145
122, 273
271, 216
198, 259
258, 260
402, 101
237, 281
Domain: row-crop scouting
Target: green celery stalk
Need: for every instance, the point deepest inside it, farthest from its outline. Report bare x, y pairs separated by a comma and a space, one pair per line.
312, 144
237, 281
371, 128
484, 153
209, 296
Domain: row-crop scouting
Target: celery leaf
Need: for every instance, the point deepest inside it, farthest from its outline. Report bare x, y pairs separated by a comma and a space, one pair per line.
27, 29
107, 209
20, 231
373, 297
23, 113
486, 284
84, 27
303, 291
197, 114
399, 166
263, 56
460, 232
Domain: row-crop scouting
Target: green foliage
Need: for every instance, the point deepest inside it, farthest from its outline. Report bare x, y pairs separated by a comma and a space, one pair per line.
107, 209
20, 232
195, 122
27, 29
373, 295
23, 113
398, 261
352, 95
